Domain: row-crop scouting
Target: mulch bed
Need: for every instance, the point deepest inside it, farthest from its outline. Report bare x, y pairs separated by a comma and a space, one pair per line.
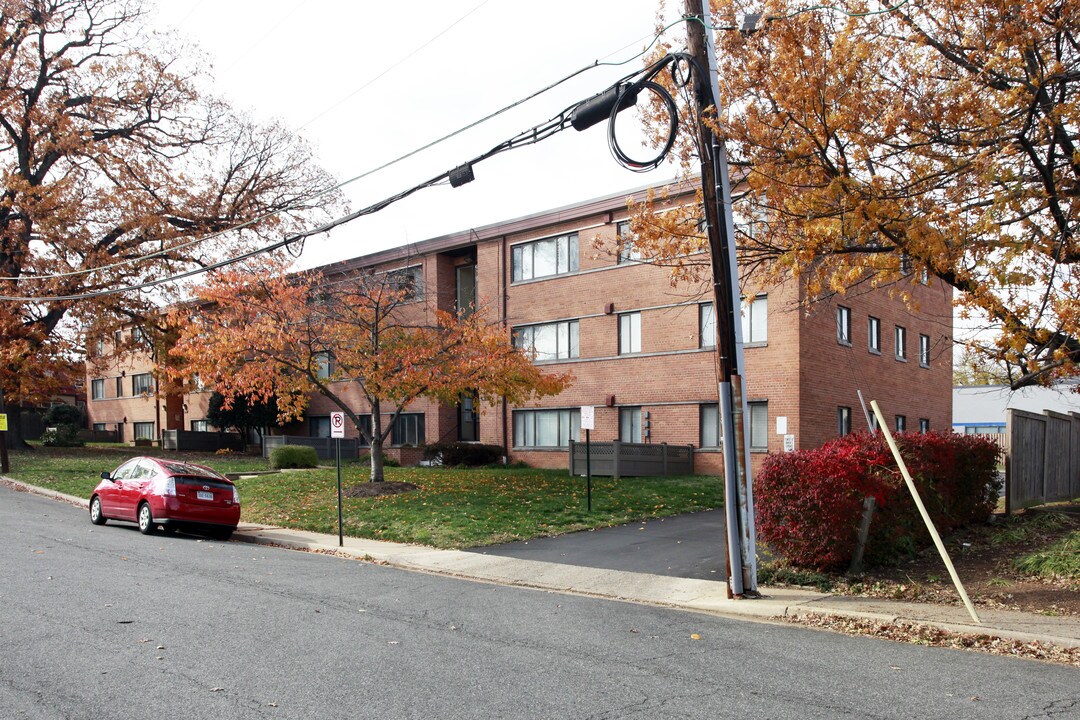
377, 489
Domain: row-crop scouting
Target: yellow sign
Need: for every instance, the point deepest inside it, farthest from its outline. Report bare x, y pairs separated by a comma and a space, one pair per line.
3, 422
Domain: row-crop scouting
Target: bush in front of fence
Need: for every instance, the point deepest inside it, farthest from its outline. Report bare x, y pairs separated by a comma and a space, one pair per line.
459, 454
293, 456
809, 503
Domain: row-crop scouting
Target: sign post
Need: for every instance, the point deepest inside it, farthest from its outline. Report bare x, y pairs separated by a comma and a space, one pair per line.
337, 431
588, 422
4, 466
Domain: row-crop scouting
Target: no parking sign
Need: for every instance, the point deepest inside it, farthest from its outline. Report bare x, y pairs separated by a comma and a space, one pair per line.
337, 424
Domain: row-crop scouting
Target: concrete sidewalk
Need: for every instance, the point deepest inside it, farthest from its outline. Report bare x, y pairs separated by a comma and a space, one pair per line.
683, 593
687, 594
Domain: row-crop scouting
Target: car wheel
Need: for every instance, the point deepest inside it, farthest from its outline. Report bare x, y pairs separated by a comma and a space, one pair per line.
95, 511
146, 520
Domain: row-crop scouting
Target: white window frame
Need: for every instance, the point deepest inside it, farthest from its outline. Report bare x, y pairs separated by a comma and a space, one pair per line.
873, 334
523, 257
843, 420
628, 253
566, 334
97, 389
900, 337
843, 325
709, 415
707, 325
924, 350
630, 424
139, 431
758, 426
629, 333
567, 426
142, 384
754, 312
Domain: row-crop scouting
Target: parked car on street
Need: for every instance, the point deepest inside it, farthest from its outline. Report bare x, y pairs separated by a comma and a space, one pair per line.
170, 493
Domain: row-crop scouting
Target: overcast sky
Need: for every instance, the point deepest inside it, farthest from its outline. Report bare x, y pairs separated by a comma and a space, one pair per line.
368, 82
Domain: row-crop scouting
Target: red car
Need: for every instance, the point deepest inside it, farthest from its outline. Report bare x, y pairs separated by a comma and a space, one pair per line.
169, 493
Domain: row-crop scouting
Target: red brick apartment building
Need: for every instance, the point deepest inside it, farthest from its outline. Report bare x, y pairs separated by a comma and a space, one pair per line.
640, 350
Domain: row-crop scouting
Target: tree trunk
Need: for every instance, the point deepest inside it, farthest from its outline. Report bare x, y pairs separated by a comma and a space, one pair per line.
376, 441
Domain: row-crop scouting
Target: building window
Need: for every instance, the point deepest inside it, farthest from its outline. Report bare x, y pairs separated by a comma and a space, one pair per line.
901, 423
630, 333
200, 426
627, 251
468, 419
755, 319
324, 365
546, 428
843, 420
759, 425
119, 387
924, 425
465, 290
707, 325
118, 337
550, 341
924, 350
905, 263
144, 431
97, 389
901, 343
843, 325
541, 258
710, 426
319, 426
142, 384
873, 335
630, 424
99, 427
408, 281
408, 429
99, 347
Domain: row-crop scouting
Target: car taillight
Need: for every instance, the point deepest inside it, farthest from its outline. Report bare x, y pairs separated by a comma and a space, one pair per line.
167, 486
235, 495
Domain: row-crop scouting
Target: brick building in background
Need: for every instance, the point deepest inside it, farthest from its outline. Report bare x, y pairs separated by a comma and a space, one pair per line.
640, 350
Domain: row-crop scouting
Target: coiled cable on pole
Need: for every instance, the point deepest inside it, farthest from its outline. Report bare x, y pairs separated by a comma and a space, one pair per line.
673, 128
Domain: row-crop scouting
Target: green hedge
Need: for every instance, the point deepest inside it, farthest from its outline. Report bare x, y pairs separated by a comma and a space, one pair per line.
293, 456
459, 454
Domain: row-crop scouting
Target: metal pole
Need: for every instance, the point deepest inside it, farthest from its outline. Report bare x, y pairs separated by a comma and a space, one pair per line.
340, 531
588, 471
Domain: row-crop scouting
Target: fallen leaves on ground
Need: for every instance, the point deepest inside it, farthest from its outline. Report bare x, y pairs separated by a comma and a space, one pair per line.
919, 634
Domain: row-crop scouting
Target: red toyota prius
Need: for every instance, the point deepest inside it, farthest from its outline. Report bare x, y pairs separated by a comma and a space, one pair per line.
169, 493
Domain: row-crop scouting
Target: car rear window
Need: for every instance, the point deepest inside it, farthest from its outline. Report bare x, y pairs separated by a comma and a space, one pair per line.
203, 482
177, 468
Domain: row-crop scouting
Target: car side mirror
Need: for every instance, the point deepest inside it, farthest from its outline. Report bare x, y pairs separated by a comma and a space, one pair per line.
105, 476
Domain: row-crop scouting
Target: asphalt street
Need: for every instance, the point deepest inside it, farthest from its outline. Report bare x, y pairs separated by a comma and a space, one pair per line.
102, 622
687, 546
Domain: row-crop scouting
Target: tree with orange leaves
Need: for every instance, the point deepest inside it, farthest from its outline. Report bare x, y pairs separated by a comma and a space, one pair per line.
886, 144
261, 333
119, 170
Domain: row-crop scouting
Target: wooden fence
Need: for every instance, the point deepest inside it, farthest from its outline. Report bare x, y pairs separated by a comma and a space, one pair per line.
1043, 462
621, 459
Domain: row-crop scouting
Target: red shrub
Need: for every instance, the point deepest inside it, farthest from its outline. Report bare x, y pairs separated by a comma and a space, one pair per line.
809, 502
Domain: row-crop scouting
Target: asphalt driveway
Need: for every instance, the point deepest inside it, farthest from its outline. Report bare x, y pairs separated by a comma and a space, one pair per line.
686, 546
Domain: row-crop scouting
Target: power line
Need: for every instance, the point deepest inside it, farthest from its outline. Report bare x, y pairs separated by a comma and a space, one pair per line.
338, 186
532, 136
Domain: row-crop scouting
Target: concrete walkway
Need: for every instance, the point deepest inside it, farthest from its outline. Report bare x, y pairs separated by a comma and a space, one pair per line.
683, 593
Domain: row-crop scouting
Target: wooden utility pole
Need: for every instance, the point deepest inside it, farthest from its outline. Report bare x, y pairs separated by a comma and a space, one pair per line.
716, 186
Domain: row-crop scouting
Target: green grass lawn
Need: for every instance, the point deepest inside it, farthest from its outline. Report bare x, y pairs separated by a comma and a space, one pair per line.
453, 508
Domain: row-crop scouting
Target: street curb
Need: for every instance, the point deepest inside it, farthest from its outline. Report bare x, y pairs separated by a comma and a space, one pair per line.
35, 490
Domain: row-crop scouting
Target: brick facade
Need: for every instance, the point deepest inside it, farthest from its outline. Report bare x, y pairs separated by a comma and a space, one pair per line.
799, 373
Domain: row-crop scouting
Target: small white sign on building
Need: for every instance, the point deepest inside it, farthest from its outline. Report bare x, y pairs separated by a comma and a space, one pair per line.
789, 443
588, 417
337, 424
781, 425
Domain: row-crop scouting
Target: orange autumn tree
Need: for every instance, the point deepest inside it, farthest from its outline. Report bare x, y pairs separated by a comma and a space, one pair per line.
260, 333
938, 140
119, 168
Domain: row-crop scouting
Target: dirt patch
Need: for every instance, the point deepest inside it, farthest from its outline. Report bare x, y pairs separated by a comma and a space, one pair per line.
984, 557
377, 489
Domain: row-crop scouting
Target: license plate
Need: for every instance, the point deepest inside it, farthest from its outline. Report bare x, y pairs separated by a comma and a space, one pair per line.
203, 495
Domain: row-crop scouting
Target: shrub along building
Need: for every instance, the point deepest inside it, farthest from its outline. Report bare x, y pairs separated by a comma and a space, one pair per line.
639, 347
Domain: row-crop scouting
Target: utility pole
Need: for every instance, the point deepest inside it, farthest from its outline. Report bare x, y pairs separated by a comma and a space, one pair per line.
716, 187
